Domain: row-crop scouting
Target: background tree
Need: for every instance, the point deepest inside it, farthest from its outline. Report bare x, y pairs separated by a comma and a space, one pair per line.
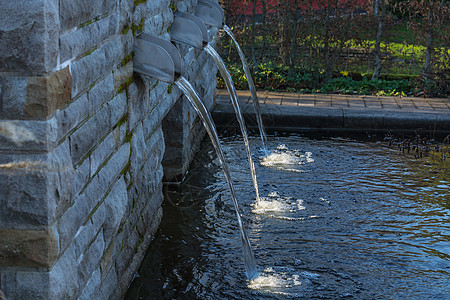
380, 13
429, 20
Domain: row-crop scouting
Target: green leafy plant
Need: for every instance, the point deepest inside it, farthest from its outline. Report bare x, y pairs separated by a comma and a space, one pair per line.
269, 76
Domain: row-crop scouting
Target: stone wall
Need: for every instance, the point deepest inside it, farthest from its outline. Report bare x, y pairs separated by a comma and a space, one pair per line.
82, 141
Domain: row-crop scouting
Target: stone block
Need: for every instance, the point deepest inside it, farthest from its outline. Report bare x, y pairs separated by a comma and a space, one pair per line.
112, 170
81, 177
156, 145
148, 181
124, 14
28, 248
122, 74
137, 150
72, 219
117, 107
23, 199
150, 123
76, 13
60, 180
36, 188
136, 105
108, 286
90, 260
29, 32
63, 276
117, 49
100, 93
84, 236
71, 116
107, 263
99, 64
164, 106
47, 94
81, 40
84, 204
154, 25
87, 136
91, 286
25, 285
102, 152
29, 136
129, 246
126, 259
167, 19
86, 71
13, 94
115, 204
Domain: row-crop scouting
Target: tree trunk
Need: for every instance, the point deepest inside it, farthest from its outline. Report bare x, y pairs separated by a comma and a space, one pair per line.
254, 32
430, 42
283, 25
264, 32
381, 20
293, 52
327, 61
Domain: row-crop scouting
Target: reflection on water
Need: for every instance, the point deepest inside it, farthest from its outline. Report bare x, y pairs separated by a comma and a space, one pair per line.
353, 220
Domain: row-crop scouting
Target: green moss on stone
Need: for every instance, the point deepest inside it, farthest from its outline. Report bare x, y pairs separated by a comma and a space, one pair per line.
124, 86
127, 59
137, 2
89, 52
123, 120
138, 245
172, 6
128, 137
137, 28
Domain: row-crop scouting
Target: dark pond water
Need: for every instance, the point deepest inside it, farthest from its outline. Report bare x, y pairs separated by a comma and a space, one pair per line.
339, 218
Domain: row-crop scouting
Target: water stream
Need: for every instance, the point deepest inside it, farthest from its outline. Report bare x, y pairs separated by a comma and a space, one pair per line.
194, 99
251, 86
234, 99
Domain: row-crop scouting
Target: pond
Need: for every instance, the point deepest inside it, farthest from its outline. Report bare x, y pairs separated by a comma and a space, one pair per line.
339, 218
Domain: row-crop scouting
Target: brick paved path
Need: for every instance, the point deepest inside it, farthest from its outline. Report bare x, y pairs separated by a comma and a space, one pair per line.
342, 111
348, 101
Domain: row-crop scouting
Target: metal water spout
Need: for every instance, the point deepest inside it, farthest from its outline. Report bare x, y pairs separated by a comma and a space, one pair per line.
189, 29
157, 58
211, 13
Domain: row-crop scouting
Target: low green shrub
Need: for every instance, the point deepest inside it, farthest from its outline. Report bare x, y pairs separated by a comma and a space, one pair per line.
269, 76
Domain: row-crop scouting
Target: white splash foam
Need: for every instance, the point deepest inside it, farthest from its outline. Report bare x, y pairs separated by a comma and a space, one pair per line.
263, 206
279, 282
275, 206
308, 157
288, 160
273, 195
282, 147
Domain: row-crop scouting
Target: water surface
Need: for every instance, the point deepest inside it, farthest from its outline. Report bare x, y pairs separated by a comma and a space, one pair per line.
338, 218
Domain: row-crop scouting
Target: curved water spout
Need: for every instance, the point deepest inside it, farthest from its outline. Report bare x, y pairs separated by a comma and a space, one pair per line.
251, 86
234, 99
194, 99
